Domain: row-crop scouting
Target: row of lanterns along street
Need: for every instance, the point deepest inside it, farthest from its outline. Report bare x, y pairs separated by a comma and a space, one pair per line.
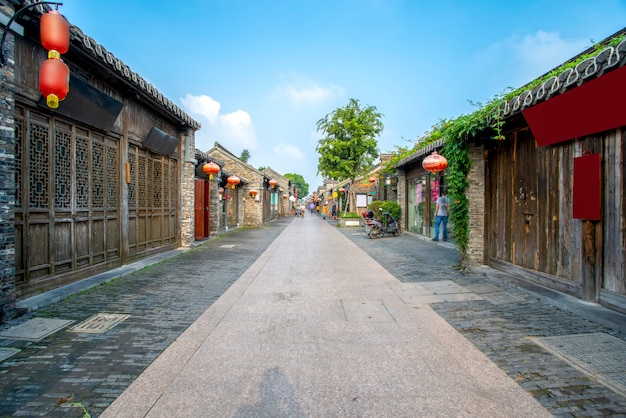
54, 75
211, 169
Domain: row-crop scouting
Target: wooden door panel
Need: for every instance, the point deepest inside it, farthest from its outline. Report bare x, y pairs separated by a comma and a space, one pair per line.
38, 263
199, 209
112, 238
62, 248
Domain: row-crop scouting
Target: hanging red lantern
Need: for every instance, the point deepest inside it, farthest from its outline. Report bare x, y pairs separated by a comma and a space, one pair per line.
342, 190
210, 168
372, 179
233, 181
54, 31
54, 81
273, 183
253, 192
435, 163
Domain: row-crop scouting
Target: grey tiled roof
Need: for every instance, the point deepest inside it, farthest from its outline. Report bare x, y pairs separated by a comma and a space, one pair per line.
608, 59
417, 155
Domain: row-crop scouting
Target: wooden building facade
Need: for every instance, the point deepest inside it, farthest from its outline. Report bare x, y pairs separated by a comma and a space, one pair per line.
555, 188
98, 182
548, 202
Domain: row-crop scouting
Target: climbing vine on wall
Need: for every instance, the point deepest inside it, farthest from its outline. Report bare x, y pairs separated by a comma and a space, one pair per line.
486, 120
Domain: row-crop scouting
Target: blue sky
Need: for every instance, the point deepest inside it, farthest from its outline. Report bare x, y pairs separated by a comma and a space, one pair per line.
258, 75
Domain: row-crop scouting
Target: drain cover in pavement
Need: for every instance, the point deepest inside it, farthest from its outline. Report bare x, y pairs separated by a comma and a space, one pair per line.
35, 329
598, 354
6, 352
99, 323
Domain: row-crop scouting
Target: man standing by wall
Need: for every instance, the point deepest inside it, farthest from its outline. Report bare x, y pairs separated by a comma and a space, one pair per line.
441, 212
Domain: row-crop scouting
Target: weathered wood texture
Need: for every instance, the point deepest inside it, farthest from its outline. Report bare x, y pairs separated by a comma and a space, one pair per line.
72, 199
529, 225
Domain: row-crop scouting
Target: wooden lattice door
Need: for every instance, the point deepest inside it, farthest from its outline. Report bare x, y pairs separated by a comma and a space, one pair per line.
152, 197
67, 202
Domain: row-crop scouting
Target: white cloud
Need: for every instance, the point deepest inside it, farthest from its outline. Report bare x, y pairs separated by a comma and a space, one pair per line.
545, 50
238, 126
526, 57
313, 95
234, 130
202, 105
301, 91
289, 151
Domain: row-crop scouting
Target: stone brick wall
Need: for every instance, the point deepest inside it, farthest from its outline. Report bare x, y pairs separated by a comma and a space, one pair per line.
282, 188
249, 214
476, 197
7, 184
402, 198
214, 208
188, 169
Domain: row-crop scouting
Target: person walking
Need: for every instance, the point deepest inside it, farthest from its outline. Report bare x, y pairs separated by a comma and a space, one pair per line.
441, 213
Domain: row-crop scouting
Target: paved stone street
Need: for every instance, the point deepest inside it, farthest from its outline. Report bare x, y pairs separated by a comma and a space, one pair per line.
162, 300
509, 323
503, 323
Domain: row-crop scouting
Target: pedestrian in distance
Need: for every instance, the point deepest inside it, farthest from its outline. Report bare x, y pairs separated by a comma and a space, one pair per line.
334, 211
441, 213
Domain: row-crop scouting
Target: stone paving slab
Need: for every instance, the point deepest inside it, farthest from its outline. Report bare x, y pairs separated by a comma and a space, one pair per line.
501, 324
5, 352
294, 337
35, 329
166, 298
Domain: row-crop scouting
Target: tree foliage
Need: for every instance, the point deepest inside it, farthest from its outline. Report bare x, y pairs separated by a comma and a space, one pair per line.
245, 156
349, 146
391, 206
298, 181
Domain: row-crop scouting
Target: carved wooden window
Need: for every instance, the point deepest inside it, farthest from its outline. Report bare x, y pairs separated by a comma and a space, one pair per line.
62, 167
39, 165
82, 169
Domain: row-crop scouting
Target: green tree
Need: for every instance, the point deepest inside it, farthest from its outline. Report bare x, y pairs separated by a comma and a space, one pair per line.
245, 156
298, 181
349, 146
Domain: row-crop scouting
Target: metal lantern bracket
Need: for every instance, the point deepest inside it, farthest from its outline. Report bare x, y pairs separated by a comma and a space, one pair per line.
3, 55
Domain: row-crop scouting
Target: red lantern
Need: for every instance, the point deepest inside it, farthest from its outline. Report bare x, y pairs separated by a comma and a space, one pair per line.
233, 181
211, 168
342, 190
54, 31
253, 192
372, 179
54, 81
273, 183
435, 163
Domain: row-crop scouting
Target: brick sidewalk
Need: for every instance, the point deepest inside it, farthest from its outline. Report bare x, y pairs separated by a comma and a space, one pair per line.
162, 300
